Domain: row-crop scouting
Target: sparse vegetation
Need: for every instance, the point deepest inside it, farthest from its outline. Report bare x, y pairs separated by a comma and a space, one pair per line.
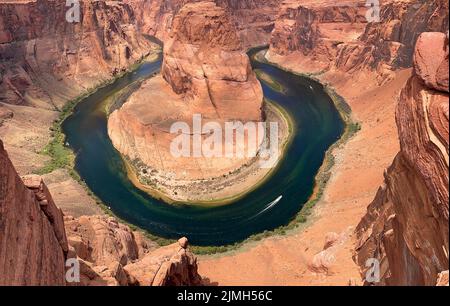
322, 178
271, 82
63, 157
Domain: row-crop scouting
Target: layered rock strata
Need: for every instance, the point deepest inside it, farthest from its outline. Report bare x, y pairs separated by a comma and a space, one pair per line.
46, 61
33, 244
308, 34
37, 240
323, 36
253, 20
205, 73
406, 227
111, 254
389, 44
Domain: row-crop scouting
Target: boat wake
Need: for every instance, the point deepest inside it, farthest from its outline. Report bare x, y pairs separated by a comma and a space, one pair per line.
269, 206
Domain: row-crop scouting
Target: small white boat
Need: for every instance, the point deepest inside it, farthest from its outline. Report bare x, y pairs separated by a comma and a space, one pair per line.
270, 205
273, 203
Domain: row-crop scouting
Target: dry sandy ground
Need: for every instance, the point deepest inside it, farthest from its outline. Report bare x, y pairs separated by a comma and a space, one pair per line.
356, 176
24, 135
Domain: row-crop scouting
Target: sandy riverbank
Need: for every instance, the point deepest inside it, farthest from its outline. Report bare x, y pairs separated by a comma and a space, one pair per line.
26, 135
219, 190
357, 174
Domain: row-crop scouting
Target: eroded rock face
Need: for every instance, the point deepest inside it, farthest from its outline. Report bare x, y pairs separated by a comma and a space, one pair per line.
205, 72
204, 59
254, 20
32, 236
110, 253
406, 226
34, 245
431, 60
389, 44
102, 240
308, 33
45, 60
325, 36
173, 265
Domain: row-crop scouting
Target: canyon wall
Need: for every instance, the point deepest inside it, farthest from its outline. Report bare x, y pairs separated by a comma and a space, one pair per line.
388, 45
205, 72
407, 225
33, 244
111, 254
36, 240
323, 36
308, 34
253, 20
44, 59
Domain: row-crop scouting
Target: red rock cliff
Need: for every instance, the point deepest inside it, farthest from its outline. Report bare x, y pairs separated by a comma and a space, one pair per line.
45, 60
407, 225
254, 19
322, 36
205, 71
307, 33
33, 244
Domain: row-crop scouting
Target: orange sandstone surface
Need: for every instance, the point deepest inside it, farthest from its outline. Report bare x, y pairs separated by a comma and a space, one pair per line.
370, 77
207, 73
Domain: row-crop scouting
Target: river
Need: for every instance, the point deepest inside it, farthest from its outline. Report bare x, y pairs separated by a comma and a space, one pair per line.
316, 126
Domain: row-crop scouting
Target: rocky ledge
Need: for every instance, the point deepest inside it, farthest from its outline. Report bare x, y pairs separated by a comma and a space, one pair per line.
322, 36
254, 20
36, 241
407, 225
205, 72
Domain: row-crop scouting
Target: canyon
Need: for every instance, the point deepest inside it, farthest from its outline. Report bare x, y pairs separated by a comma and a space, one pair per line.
369, 67
393, 74
205, 72
37, 240
45, 62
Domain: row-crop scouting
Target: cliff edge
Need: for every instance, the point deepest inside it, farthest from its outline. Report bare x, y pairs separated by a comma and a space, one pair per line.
406, 226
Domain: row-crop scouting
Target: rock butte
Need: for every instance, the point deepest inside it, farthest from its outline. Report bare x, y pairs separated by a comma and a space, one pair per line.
205, 71
45, 62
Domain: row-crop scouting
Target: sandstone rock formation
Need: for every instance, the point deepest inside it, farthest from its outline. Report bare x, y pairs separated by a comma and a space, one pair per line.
46, 59
407, 225
322, 36
254, 20
111, 254
443, 279
388, 45
205, 72
33, 243
173, 265
308, 34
